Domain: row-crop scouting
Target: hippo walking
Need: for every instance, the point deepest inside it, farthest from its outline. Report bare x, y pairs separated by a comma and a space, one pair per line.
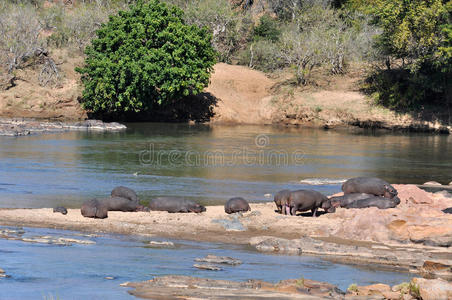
281, 200
303, 200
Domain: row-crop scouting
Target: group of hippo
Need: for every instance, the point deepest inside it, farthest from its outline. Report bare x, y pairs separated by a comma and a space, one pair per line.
359, 192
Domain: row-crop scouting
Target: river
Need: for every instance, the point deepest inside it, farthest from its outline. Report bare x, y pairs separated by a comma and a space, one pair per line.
210, 163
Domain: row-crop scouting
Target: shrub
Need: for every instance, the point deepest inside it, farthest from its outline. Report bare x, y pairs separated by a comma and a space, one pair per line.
230, 28
20, 39
145, 57
267, 29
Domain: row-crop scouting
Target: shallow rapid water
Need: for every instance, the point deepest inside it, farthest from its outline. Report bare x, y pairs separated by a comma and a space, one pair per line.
43, 271
209, 163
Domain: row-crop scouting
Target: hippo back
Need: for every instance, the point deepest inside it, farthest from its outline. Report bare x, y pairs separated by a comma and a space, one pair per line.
237, 204
125, 192
369, 185
118, 204
175, 204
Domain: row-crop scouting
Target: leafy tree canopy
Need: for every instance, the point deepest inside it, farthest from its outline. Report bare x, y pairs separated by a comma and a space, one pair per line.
143, 57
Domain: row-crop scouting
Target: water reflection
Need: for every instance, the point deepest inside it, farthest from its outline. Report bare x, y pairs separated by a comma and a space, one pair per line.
67, 168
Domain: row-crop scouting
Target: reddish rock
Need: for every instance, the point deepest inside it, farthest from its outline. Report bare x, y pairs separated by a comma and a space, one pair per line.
433, 289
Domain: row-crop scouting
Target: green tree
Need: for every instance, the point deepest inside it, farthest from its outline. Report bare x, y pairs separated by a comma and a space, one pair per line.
145, 57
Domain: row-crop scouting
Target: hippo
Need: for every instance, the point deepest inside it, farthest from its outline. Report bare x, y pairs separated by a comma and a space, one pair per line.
175, 205
236, 204
281, 199
375, 201
94, 209
369, 185
303, 200
60, 209
343, 201
118, 204
125, 192
447, 210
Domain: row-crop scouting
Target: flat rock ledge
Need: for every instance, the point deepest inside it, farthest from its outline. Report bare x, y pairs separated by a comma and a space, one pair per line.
22, 127
186, 287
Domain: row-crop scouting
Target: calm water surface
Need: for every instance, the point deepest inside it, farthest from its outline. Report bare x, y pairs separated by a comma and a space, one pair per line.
209, 163
42, 271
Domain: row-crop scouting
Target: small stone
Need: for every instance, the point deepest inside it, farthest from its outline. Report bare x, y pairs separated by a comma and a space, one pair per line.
2, 271
163, 244
270, 195
109, 277
432, 183
220, 260
207, 267
125, 283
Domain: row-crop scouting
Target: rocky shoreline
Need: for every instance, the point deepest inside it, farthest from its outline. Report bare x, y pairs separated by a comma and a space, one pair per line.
186, 287
22, 126
416, 236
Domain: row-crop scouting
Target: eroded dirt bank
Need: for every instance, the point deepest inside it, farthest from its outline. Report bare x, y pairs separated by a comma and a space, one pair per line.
242, 96
416, 236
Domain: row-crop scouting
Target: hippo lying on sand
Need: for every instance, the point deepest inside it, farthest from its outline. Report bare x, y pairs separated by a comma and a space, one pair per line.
60, 209
122, 199
369, 185
344, 201
94, 209
236, 204
125, 192
303, 200
175, 205
281, 200
447, 210
375, 201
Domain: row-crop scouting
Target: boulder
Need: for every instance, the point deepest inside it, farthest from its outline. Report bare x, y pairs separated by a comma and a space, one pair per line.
432, 289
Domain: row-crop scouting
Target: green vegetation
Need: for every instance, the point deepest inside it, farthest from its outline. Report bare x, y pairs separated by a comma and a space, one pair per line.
416, 43
145, 56
353, 288
406, 46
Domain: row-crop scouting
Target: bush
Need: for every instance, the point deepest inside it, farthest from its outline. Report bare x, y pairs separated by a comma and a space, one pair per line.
145, 57
19, 31
267, 29
230, 28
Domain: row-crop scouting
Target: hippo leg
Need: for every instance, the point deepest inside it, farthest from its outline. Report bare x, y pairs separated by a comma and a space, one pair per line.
293, 211
314, 212
286, 210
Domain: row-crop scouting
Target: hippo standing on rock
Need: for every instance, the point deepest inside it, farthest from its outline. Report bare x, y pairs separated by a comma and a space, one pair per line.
281, 200
303, 200
369, 185
175, 205
236, 204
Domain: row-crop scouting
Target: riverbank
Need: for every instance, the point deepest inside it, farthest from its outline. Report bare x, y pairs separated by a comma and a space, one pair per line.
21, 126
239, 95
416, 236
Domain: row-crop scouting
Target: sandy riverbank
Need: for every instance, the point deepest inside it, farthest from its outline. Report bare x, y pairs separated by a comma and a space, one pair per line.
411, 237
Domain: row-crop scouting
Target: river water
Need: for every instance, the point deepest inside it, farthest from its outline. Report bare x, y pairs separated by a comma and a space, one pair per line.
209, 163
206, 163
45, 271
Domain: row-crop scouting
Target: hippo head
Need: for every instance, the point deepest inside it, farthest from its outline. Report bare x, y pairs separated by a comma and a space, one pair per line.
390, 192
197, 208
328, 206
